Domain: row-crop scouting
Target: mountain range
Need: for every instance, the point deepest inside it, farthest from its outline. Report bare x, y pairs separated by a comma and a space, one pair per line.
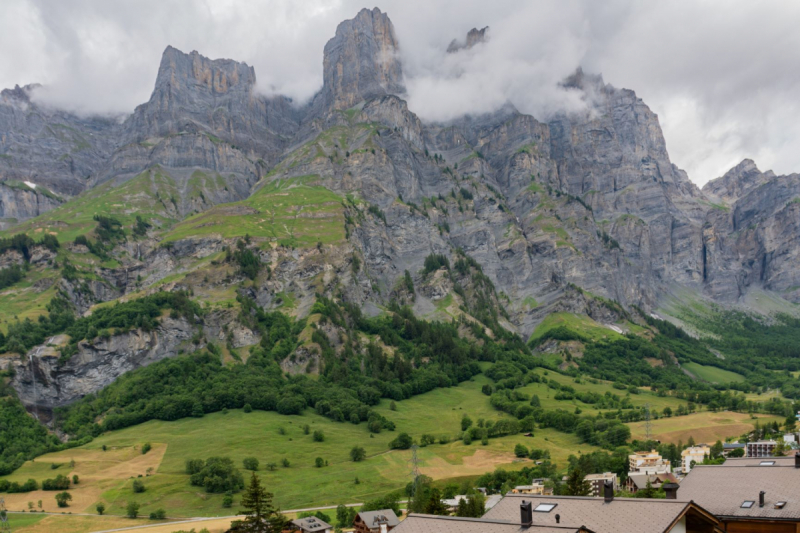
350, 196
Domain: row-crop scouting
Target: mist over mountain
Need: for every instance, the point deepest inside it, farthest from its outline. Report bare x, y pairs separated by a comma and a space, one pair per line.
349, 194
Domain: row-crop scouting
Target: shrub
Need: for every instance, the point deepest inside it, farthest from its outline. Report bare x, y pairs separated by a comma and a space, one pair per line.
319, 436
146, 448
250, 463
132, 510
218, 475
101, 508
285, 462
358, 454
63, 499
158, 514
319, 462
402, 442
248, 408
520, 450
138, 486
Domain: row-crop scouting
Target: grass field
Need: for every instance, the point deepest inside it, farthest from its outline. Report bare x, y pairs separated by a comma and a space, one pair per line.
705, 426
288, 212
578, 323
545, 394
108, 476
712, 373
148, 195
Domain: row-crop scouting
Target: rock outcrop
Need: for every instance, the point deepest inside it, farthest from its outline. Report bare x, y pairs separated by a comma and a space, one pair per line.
361, 61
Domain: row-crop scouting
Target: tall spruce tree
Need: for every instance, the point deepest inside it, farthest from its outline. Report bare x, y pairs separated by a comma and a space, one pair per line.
261, 516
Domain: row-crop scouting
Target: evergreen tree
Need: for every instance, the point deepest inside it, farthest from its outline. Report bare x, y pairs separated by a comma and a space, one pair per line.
261, 516
577, 485
434, 504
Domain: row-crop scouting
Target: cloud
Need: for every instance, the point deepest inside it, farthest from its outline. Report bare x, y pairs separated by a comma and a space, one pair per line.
722, 75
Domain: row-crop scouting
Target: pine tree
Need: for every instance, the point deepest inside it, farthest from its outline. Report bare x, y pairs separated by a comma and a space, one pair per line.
261, 516
577, 485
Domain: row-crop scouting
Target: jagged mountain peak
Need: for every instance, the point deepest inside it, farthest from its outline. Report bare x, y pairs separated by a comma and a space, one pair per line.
361, 60
179, 70
738, 181
474, 36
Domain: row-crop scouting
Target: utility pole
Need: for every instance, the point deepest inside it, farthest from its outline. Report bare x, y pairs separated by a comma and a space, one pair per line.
414, 471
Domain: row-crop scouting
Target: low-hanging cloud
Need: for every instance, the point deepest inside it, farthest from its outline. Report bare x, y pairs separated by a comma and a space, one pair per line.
723, 76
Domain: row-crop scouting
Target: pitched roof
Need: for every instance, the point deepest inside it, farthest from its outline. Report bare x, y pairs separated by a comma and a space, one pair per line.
640, 480
743, 482
373, 518
311, 523
631, 515
423, 523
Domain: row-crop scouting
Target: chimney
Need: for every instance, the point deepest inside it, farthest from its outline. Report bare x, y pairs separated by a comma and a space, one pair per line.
526, 514
558, 519
608, 491
383, 527
761, 498
672, 490
797, 460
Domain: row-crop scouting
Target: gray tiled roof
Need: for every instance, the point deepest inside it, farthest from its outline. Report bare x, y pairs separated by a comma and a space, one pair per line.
722, 489
422, 523
311, 524
631, 515
369, 518
756, 461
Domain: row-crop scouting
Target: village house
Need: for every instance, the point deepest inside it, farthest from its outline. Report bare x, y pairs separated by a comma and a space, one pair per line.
728, 447
597, 481
637, 482
375, 521
536, 487
605, 515
694, 453
311, 524
648, 463
749, 495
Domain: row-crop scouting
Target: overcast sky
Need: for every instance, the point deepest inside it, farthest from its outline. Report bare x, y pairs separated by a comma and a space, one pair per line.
724, 76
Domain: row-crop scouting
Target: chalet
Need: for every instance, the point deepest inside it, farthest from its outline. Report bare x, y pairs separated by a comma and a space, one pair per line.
375, 521
608, 514
421, 523
311, 524
637, 482
749, 495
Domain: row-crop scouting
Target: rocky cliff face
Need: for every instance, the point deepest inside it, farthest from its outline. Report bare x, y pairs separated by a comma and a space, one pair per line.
361, 62
50, 147
43, 383
751, 235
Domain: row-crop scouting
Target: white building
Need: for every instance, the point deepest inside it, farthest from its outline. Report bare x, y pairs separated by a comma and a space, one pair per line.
694, 453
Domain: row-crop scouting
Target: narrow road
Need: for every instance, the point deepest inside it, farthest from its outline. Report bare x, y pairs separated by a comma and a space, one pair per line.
178, 521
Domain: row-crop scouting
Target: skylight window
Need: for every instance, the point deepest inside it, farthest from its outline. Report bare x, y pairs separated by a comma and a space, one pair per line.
766, 463
748, 504
780, 505
545, 507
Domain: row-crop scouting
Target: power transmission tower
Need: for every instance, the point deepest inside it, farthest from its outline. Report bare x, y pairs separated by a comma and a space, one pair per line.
414, 469
4, 527
648, 426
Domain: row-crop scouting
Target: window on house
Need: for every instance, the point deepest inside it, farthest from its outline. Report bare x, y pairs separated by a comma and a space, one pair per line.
545, 507
748, 504
767, 463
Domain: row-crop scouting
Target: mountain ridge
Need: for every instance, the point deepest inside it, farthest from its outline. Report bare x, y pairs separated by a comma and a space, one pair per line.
350, 195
